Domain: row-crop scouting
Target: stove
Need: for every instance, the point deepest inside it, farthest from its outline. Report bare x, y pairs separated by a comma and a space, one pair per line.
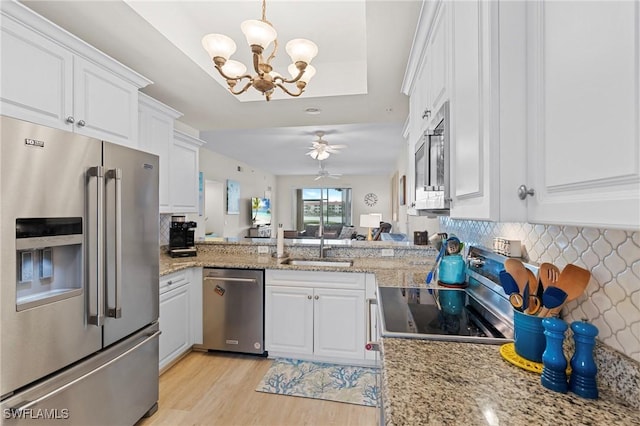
477, 312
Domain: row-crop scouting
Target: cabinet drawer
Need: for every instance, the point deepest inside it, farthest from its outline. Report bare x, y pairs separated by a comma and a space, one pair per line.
172, 281
343, 280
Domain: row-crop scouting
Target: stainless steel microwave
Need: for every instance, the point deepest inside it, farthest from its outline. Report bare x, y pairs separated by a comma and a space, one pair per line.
432, 167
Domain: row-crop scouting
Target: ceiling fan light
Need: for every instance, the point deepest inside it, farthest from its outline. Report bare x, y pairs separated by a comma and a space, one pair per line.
323, 155
218, 45
258, 33
234, 68
301, 50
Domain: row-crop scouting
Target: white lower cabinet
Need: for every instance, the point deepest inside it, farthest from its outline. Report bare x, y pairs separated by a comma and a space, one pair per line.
289, 319
315, 315
180, 314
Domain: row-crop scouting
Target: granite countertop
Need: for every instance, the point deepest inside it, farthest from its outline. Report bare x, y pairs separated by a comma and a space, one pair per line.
435, 383
389, 271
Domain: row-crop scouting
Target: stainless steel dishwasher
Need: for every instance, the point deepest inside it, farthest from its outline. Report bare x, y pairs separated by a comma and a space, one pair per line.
233, 310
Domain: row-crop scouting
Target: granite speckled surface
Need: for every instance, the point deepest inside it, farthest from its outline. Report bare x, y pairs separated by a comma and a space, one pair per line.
428, 382
437, 383
403, 271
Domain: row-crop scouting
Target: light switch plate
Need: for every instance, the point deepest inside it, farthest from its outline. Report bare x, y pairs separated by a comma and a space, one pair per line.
263, 249
387, 252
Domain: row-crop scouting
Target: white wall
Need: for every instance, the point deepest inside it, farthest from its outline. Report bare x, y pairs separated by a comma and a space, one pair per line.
360, 185
253, 183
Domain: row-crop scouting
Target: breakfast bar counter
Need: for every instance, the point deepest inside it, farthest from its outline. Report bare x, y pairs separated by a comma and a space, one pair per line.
436, 383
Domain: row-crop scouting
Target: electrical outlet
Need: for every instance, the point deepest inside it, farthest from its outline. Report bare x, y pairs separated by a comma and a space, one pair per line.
263, 249
387, 252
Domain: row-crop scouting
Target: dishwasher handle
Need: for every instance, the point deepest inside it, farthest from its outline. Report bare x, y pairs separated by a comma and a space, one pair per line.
241, 280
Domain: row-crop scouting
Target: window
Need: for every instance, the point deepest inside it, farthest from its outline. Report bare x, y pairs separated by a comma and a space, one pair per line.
335, 204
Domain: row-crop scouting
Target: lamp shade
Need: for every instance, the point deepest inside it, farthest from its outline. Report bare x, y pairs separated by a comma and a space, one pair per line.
234, 68
370, 220
301, 49
218, 45
258, 33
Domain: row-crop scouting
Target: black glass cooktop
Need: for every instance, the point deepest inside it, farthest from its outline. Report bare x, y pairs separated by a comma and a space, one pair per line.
442, 314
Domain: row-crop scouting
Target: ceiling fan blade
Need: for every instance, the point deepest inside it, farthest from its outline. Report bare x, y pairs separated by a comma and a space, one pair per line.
339, 146
332, 150
318, 177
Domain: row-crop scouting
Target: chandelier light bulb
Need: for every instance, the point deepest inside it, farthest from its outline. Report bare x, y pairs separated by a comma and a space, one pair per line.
234, 68
301, 50
219, 45
309, 72
258, 33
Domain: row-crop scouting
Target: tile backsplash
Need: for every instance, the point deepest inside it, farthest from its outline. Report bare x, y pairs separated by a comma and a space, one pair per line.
165, 225
612, 299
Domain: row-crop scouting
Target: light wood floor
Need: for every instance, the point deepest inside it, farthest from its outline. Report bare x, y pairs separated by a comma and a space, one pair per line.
219, 389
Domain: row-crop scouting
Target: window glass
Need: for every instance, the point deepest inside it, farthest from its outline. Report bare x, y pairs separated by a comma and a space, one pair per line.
333, 203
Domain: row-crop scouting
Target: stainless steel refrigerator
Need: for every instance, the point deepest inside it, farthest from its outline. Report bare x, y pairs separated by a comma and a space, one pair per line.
79, 278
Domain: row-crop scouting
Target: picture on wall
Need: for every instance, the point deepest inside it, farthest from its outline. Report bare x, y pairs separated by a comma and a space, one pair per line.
233, 197
402, 190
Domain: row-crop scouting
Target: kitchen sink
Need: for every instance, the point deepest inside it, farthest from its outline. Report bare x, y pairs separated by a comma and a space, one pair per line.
319, 262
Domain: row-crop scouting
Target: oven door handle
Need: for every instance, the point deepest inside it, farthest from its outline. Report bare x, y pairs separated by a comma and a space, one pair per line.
371, 345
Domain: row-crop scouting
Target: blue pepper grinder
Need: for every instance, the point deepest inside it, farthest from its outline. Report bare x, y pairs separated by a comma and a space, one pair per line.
583, 376
554, 364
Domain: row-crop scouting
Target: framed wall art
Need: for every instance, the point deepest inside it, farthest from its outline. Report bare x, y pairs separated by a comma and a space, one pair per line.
233, 197
402, 191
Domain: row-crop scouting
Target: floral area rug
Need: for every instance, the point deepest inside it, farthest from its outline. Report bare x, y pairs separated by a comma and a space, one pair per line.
353, 385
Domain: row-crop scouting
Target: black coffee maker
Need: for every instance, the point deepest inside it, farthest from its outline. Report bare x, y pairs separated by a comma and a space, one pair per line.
182, 237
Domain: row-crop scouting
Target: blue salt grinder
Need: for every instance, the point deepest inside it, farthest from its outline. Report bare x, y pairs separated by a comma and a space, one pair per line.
554, 364
583, 365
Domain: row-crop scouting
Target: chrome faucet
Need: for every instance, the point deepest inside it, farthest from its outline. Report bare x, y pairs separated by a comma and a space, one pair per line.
321, 232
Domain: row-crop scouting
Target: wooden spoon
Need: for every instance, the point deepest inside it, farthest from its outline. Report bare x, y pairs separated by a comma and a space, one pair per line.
534, 303
519, 273
573, 280
548, 274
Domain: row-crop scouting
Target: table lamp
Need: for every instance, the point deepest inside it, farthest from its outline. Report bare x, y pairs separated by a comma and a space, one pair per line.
370, 221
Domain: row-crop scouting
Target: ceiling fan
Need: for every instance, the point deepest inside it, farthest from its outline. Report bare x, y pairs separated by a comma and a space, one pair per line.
320, 148
323, 173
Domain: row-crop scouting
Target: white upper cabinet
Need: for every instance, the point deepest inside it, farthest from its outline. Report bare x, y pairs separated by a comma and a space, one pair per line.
584, 113
104, 105
156, 122
184, 168
37, 77
426, 83
488, 109
543, 95
52, 78
178, 152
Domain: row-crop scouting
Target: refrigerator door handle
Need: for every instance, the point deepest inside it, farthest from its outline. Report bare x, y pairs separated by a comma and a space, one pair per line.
19, 409
95, 245
116, 311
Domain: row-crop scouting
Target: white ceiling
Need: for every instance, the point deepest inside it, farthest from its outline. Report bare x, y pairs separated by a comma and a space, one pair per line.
363, 50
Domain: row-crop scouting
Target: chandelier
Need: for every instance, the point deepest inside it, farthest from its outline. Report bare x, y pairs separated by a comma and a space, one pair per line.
259, 35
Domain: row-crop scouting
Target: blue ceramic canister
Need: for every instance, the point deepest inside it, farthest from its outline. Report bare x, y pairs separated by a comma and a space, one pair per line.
451, 269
